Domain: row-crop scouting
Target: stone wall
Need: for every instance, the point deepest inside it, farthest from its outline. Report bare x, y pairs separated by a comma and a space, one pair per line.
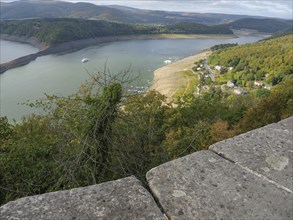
245, 177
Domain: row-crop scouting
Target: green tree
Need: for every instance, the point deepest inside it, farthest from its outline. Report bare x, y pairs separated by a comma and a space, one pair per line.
185, 140
5, 129
69, 147
27, 159
261, 93
276, 106
143, 130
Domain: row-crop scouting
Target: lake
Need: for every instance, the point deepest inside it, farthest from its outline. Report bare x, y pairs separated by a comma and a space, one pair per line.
12, 50
63, 74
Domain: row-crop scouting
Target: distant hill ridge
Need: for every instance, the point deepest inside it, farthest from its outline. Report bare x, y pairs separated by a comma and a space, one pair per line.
268, 25
60, 30
59, 9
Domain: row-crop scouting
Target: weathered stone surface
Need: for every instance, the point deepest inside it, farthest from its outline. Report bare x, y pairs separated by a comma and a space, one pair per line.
120, 199
267, 151
286, 123
204, 185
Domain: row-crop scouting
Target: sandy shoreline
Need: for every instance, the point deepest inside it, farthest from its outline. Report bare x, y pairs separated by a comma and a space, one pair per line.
168, 79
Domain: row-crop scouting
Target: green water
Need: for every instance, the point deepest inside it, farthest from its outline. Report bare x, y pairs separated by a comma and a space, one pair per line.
62, 74
11, 50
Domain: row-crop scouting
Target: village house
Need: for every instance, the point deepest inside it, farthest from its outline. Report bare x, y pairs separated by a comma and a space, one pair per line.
230, 84
218, 68
239, 91
267, 87
258, 83
221, 69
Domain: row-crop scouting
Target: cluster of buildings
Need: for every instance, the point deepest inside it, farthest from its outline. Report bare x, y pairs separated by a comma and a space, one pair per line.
236, 90
240, 91
230, 85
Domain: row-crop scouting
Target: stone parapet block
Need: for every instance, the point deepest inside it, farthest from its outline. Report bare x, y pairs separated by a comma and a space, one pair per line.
116, 200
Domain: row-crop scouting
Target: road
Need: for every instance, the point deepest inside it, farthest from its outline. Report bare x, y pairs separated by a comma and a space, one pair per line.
207, 67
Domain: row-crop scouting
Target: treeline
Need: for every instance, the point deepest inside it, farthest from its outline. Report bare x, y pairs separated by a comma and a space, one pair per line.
97, 135
223, 46
265, 25
193, 28
61, 30
268, 60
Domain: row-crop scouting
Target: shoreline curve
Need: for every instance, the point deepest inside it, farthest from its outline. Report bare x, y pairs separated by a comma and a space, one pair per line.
168, 79
72, 46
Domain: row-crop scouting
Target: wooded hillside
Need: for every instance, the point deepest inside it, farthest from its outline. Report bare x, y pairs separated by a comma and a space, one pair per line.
55, 31
267, 25
59, 9
269, 60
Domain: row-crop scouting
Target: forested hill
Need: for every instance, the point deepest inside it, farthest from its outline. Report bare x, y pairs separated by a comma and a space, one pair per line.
61, 30
268, 60
59, 9
262, 25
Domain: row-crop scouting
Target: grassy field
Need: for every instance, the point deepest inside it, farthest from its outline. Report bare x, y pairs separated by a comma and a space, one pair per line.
189, 87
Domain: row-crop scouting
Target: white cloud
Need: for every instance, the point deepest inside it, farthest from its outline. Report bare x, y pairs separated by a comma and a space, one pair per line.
268, 8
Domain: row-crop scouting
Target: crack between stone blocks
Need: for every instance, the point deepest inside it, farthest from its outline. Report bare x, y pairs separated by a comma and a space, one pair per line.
253, 172
265, 178
223, 156
157, 201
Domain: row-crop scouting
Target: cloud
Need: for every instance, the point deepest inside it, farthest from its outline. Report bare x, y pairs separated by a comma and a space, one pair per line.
267, 8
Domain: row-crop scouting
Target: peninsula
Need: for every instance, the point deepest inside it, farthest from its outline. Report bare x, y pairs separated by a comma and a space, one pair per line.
55, 36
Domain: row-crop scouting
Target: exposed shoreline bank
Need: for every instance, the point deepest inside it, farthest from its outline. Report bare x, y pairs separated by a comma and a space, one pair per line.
81, 44
168, 79
31, 40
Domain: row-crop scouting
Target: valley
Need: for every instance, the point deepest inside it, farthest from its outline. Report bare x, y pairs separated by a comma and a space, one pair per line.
99, 93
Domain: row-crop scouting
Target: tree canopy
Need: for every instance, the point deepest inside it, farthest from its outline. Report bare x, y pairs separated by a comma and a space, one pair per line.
268, 60
60, 30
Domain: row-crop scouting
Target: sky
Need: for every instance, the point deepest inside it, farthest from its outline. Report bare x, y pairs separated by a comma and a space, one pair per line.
267, 8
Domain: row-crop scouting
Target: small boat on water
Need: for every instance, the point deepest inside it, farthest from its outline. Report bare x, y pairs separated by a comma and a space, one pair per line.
167, 61
85, 60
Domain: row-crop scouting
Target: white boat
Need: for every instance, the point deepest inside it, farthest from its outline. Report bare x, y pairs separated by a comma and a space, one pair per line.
85, 60
167, 61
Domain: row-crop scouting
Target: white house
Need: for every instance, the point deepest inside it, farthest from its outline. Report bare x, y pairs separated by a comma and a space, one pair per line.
240, 91
218, 68
230, 84
267, 87
258, 83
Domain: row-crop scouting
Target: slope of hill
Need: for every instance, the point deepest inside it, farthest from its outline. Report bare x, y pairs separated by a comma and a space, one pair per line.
269, 61
58, 9
262, 25
60, 30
